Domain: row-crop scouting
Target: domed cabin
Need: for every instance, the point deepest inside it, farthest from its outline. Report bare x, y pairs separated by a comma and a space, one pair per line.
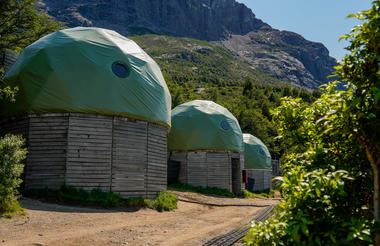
95, 110
258, 162
206, 142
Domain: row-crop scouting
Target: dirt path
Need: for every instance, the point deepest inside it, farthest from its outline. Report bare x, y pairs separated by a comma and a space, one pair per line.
190, 224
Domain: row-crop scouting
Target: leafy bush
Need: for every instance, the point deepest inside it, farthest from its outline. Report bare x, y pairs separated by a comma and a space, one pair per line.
248, 194
202, 190
12, 154
326, 183
165, 201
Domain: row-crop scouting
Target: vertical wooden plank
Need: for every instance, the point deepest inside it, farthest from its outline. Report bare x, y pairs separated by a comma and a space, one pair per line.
129, 157
219, 169
157, 160
89, 151
47, 143
197, 168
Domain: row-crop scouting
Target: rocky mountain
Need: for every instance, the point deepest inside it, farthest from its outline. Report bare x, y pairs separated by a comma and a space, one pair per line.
230, 25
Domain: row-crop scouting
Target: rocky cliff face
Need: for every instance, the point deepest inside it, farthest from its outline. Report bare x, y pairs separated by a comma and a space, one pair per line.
284, 55
201, 19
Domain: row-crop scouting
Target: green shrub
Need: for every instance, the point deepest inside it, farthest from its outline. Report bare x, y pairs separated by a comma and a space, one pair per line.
248, 194
12, 154
326, 186
202, 190
165, 201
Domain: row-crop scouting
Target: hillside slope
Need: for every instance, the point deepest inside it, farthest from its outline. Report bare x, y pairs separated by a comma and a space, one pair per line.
196, 61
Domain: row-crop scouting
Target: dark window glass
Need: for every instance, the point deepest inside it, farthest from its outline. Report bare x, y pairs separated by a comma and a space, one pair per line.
262, 152
225, 125
120, 69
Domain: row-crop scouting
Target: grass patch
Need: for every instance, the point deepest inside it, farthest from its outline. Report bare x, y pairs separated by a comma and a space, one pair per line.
201, 190
248, 194
13, 209
165, 200
262, 194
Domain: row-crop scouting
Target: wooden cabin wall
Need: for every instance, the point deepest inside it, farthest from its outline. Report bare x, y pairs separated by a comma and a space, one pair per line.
89, 143
47, 148
157, 168
130, 156
219, 173
208, 168
262, 177
92, 151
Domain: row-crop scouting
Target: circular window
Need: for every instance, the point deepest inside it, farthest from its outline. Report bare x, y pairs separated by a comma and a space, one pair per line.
225, 125
261, 152
120, 69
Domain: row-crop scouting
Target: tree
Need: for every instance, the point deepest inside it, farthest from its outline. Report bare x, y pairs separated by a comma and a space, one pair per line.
327, 186
22, 23
361, 69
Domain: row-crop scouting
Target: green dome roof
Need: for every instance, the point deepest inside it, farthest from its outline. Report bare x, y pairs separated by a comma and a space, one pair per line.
204, 125
256, 154
88, 70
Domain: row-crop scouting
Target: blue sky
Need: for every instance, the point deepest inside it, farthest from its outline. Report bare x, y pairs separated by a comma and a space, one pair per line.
317, 20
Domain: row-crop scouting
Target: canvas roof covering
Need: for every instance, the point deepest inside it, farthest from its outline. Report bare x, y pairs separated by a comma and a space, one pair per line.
88, 70
256, 154
204, 125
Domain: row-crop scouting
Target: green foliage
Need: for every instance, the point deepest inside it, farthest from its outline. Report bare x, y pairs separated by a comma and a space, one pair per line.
263, 194
361, 69
8, 94
12, 154
326, 186
22, 23
248, 194
201, 190
14, 209
165, 201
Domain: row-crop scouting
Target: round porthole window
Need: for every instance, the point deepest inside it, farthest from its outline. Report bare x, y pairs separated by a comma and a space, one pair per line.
261, 152
224, 125
120, 69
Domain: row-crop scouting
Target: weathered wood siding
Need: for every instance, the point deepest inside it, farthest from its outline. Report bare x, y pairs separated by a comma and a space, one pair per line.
89, 143
88, 151
47, 147
219, 170
157, 168
130, 155
262, 177
208, 168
